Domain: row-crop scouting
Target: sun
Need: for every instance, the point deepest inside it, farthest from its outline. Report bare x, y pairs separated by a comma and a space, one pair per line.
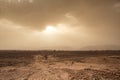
55, 30
50, 29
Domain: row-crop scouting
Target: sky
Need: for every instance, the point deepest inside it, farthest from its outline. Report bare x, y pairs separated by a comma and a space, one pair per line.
59, 24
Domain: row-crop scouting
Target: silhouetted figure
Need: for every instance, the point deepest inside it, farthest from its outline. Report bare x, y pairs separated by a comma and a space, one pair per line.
46, 57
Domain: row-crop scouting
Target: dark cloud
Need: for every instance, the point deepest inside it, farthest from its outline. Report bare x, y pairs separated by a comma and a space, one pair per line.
43, 12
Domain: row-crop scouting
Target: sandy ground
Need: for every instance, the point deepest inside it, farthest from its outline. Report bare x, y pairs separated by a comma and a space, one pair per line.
87, 68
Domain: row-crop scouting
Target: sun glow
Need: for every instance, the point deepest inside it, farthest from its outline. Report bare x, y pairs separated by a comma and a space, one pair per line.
50, 30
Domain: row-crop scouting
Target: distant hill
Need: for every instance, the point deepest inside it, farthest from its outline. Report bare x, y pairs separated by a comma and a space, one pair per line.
102, 47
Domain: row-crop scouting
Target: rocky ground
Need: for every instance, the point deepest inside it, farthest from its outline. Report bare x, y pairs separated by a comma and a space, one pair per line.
72, 68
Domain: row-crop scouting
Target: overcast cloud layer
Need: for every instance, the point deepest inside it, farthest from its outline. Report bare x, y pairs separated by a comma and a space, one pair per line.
99, 20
